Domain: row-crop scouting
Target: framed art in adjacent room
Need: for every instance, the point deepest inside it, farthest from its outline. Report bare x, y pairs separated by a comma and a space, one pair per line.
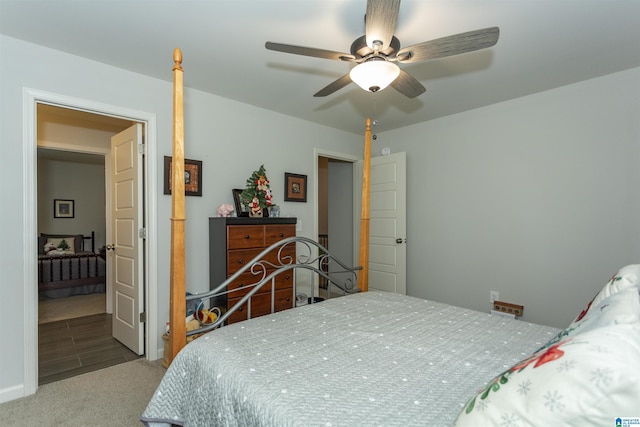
295, 187
63, 208
192, 177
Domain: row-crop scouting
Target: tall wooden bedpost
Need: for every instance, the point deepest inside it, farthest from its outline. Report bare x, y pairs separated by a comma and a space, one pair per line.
177, 304
363, 278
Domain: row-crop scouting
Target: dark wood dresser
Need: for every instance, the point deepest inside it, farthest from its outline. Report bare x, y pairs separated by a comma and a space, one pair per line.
233, 242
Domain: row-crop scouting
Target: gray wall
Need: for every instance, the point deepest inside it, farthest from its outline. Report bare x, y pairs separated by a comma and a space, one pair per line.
341, 212
537, 198
84, 184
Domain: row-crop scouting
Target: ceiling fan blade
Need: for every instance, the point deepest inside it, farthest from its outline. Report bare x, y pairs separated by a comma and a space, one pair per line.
380, 21
407, 85
334, 86
309, 51
450, 45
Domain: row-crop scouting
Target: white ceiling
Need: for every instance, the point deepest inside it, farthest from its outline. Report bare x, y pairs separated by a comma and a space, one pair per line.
543, 44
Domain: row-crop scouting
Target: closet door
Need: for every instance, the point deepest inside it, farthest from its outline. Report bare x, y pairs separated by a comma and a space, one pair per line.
387, 234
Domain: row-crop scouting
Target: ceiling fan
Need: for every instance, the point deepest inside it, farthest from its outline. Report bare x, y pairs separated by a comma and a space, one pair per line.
377, 52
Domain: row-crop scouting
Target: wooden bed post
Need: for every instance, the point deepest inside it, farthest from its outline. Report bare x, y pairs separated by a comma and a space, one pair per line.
363, 278
177, 302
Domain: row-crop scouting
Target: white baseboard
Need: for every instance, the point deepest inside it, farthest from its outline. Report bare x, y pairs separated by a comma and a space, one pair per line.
159, 354
11, 393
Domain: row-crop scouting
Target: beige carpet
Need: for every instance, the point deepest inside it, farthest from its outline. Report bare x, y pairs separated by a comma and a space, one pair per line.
51, 310
114, 396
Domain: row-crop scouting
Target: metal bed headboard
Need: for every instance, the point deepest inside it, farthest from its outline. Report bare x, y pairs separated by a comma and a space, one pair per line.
340, 278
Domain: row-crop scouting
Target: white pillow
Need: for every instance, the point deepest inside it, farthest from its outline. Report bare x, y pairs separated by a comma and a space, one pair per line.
626, 277
70, 241
587, 380
620, 308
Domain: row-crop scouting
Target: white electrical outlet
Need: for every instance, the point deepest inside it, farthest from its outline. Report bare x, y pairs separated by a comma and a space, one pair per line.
494, 296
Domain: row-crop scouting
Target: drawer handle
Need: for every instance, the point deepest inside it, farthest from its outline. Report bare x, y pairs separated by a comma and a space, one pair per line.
281, 234
288, 299
240, 261
240, 309
287, 277
246, 236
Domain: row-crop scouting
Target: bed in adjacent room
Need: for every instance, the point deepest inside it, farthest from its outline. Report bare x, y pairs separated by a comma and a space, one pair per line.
68, 265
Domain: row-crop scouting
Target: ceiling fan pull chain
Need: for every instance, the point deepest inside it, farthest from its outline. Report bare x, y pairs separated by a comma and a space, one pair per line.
374, 122
375, 110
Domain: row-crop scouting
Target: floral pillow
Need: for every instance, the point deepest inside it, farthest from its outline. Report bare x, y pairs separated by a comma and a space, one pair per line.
625, 278
588, 379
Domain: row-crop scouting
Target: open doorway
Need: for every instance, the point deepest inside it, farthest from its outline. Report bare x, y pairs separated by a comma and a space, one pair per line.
74, 298
149, 318
77, 179
336, 207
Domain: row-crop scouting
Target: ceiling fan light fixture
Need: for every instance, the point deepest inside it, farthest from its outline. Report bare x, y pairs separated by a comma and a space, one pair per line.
374, 74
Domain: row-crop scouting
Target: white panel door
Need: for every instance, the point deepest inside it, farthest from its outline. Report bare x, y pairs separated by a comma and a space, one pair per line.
126, 247
388, 224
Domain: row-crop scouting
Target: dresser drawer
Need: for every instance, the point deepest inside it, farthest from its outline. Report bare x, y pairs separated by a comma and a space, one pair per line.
274, 233
242, 285
261, 305
245, 236
238, 258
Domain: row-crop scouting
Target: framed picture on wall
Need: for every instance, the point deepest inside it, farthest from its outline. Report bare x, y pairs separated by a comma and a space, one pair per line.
295, 187
192, 177
63, 208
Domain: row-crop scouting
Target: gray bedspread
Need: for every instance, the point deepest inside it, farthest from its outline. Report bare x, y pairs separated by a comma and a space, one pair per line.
369, 359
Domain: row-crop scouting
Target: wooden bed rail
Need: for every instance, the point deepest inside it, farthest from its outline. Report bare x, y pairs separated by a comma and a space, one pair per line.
340, 276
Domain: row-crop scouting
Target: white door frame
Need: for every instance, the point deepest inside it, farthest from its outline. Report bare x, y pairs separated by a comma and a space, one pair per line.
31, 98
357, 182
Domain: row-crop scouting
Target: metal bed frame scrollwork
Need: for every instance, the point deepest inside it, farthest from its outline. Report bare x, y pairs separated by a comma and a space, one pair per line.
341, 279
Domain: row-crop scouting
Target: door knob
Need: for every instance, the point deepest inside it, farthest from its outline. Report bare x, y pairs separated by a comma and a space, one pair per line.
399, 240
111, 247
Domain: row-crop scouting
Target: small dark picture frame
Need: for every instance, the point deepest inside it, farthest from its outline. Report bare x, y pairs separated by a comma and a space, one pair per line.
192, 177
295, 187
241, 209
63, 208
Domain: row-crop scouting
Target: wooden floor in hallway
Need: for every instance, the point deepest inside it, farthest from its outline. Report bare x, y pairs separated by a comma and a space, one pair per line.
71, 347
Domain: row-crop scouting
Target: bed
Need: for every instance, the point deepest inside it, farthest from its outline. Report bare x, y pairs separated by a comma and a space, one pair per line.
76, 270
375, 358
383, 359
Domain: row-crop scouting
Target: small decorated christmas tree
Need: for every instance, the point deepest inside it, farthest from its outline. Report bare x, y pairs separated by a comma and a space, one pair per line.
257, 194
